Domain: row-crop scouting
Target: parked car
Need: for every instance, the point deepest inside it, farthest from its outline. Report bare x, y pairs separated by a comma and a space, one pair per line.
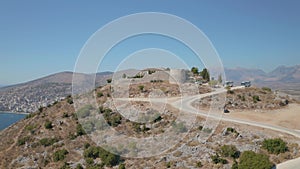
246, 83
228, 84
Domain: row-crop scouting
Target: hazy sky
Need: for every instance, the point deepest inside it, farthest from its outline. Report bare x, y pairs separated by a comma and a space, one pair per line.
38, 38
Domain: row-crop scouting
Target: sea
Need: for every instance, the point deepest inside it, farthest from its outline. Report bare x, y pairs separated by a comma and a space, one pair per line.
8, 118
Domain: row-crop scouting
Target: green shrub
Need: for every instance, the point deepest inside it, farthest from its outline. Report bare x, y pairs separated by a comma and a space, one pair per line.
103, 110
229, 151
107, 158
112, 118
216, 159
169, 164
23, 140
156, 81
157, 118
141, 87
48, 141
109, 80
74, 116
41, 109
122, 166
136, 127
29, 115
48, 124
255, 98
138, 76
231, 130
30, 128
89, 161
65, 115
86, 145
274, 146
151, 71
235, 165
71, 136
100, 94
79, 130
60, 155
199, 164
200, 127
266, 89
70, 100
252, 160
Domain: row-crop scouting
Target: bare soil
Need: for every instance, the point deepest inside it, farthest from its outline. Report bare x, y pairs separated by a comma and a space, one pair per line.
288, 117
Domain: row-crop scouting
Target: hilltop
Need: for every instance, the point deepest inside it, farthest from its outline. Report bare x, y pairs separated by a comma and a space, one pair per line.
53, 138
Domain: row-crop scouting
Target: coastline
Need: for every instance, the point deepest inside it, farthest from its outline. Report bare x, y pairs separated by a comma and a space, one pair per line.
9, 119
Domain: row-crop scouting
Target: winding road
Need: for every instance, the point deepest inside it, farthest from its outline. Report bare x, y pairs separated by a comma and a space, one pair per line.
185, 104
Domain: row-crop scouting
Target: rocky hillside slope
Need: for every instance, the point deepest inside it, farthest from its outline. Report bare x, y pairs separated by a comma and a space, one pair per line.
252, 98
53, 138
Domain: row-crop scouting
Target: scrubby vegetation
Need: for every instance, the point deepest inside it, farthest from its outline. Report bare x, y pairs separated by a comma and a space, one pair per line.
107, 158
60, 155
229, 151
79, 130
112, 118
30, 115
100, 94
48, 141
252, 160
48, 124
156, 81
139, 75
70, 99
141, 87
30, 128
199, 164
23, 140
216, 159
122, 166
233, 131
65, 115
249, 99
66, 133
275, 146
256, 98
266, 89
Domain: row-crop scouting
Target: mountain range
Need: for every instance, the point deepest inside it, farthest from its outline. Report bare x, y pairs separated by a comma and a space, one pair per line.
284, 79
29, 96
280, 78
